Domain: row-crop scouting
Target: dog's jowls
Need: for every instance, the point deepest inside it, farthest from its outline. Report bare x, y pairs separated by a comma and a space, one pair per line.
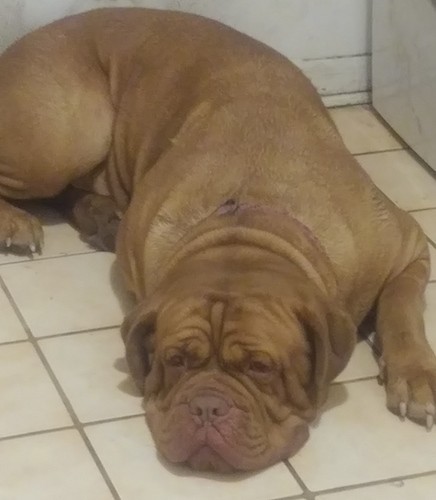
254, 243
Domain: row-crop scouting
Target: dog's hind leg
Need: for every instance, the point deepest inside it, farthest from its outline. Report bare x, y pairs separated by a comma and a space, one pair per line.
19, 230
408, 363
56, 119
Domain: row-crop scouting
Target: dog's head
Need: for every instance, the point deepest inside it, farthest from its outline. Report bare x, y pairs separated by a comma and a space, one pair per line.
231, 382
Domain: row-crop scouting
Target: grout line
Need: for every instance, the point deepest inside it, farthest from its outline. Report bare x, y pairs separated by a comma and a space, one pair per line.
353, 380
70, 427
340, 106
53, 257
37, 433
63, 334
329, 58
390, 150
432, 243
77, 424
417, 210
77, 332
413, 153
14, 342
353, 92
299, 496
113, 419
376, 482
308, 495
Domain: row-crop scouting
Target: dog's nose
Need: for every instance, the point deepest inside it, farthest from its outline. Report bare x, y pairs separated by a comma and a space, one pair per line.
208, 407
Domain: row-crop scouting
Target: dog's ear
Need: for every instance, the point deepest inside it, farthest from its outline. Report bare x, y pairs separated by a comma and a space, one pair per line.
137, 332
332, 336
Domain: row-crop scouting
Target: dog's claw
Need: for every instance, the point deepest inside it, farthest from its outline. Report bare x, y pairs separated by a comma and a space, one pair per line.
32, 247
381, 373
431, 411
403, 410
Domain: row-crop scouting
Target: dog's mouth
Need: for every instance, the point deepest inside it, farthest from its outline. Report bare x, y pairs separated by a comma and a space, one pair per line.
203, 448
207, 459
212, 452
225, 444
211, 425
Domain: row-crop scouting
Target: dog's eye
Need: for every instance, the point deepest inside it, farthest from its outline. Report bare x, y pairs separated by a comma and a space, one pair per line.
259, 367
176, 360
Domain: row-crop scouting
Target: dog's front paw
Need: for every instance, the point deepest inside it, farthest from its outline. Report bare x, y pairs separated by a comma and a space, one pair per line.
411, 387
20, 231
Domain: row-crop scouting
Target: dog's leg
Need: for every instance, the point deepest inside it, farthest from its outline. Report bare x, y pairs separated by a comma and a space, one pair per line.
408, 362
55, 124
97, 217
19, 230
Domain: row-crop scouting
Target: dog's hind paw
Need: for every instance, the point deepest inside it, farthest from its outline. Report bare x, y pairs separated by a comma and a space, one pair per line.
20, 232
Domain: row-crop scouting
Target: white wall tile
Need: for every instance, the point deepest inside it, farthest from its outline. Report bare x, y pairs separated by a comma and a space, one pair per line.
322, 36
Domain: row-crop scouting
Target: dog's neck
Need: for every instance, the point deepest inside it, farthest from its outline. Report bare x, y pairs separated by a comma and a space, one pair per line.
232, 206
238, 234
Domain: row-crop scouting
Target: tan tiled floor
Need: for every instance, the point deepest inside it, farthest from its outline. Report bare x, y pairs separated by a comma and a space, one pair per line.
72, 424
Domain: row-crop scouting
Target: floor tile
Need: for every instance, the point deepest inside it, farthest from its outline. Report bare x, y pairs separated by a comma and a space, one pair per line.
49, 466
127, 452
362, 364
59, 238
399, 175
28, 400
358, 440
11, 328
362, 131
427, 220
93, 373
422, 488
63, 295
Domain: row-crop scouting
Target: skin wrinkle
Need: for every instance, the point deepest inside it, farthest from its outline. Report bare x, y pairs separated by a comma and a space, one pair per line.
229, 385
216, 319
174, 416
251, 437
226, 382
228, 238
183, 345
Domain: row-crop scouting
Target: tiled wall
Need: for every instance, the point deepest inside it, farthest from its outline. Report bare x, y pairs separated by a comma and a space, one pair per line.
329, 39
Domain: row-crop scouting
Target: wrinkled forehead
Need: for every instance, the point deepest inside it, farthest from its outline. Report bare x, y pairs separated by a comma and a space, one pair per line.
252, 321
188, 313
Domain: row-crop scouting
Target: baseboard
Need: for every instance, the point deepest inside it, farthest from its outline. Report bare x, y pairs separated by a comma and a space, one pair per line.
347, 99
339, 75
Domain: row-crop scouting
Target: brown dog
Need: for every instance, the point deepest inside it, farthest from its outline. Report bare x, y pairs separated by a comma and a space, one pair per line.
253, 241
